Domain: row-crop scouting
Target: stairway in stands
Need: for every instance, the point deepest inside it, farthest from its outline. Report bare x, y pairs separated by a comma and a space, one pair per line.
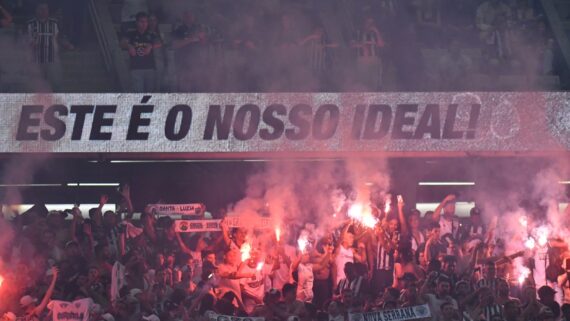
84, 68
558, 14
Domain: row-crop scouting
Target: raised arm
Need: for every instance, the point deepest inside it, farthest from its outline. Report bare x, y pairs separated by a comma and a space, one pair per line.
401, 216
182, 245
439, 208
74, 222
225, 233
47, 297
126, 194
98, 217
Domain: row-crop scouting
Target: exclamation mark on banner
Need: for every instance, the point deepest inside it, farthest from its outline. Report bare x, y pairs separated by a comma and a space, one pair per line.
473, 120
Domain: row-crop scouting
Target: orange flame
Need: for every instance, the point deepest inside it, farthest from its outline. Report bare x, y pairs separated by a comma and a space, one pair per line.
523, 275
362, 214
245, 251
278, 234
303, 242
387, 205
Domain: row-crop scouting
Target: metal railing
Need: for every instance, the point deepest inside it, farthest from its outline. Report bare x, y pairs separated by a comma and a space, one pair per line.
109, 43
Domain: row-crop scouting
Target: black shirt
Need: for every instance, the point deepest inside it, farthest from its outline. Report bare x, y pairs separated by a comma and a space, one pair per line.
185, 54
139, 41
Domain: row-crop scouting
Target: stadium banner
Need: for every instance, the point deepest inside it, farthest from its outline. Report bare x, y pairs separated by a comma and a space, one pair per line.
221, 317
176, 209
273, 124
77, 310
191, 226
400, 314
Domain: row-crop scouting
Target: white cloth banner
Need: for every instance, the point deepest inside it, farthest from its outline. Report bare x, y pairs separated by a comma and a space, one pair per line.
400, 314
70, 311
259, 223
191, 226
194, 209
220, 317
117, 280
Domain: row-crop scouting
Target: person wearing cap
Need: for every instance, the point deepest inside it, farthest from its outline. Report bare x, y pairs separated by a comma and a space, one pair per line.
32, 312
448, 221
546, 297
473, 227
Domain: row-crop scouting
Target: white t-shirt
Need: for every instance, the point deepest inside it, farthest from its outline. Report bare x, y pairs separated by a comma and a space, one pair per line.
282, 275
306, 279
254, 286
226, 284
448, 226
344, 256
435, 305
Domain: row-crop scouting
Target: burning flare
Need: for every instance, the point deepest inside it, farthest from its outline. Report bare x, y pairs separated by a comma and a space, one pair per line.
387, 204
245, 251
523, 220
259, 266
278, 234
523, 275
530, 243
362, 214
303, 242
542, 235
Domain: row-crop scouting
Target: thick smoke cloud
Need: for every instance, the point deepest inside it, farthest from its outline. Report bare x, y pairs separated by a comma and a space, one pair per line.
293, 193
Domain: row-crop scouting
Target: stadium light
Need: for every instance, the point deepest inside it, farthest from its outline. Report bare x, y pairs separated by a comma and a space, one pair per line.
446, 183
93, 184
29, 185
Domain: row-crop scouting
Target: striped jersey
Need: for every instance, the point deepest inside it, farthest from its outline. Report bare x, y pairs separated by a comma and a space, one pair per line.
355, 285
43, 36
491, 284
492, 310
385, 257
367, 40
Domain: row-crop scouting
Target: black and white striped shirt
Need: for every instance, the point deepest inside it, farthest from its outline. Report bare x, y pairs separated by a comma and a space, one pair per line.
491, 284
384, 257
492, 310
354, 285
43, 36
367, 41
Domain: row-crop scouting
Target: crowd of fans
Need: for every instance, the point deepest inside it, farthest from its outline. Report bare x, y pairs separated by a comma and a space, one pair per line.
220, 46
143, 269
252, 47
